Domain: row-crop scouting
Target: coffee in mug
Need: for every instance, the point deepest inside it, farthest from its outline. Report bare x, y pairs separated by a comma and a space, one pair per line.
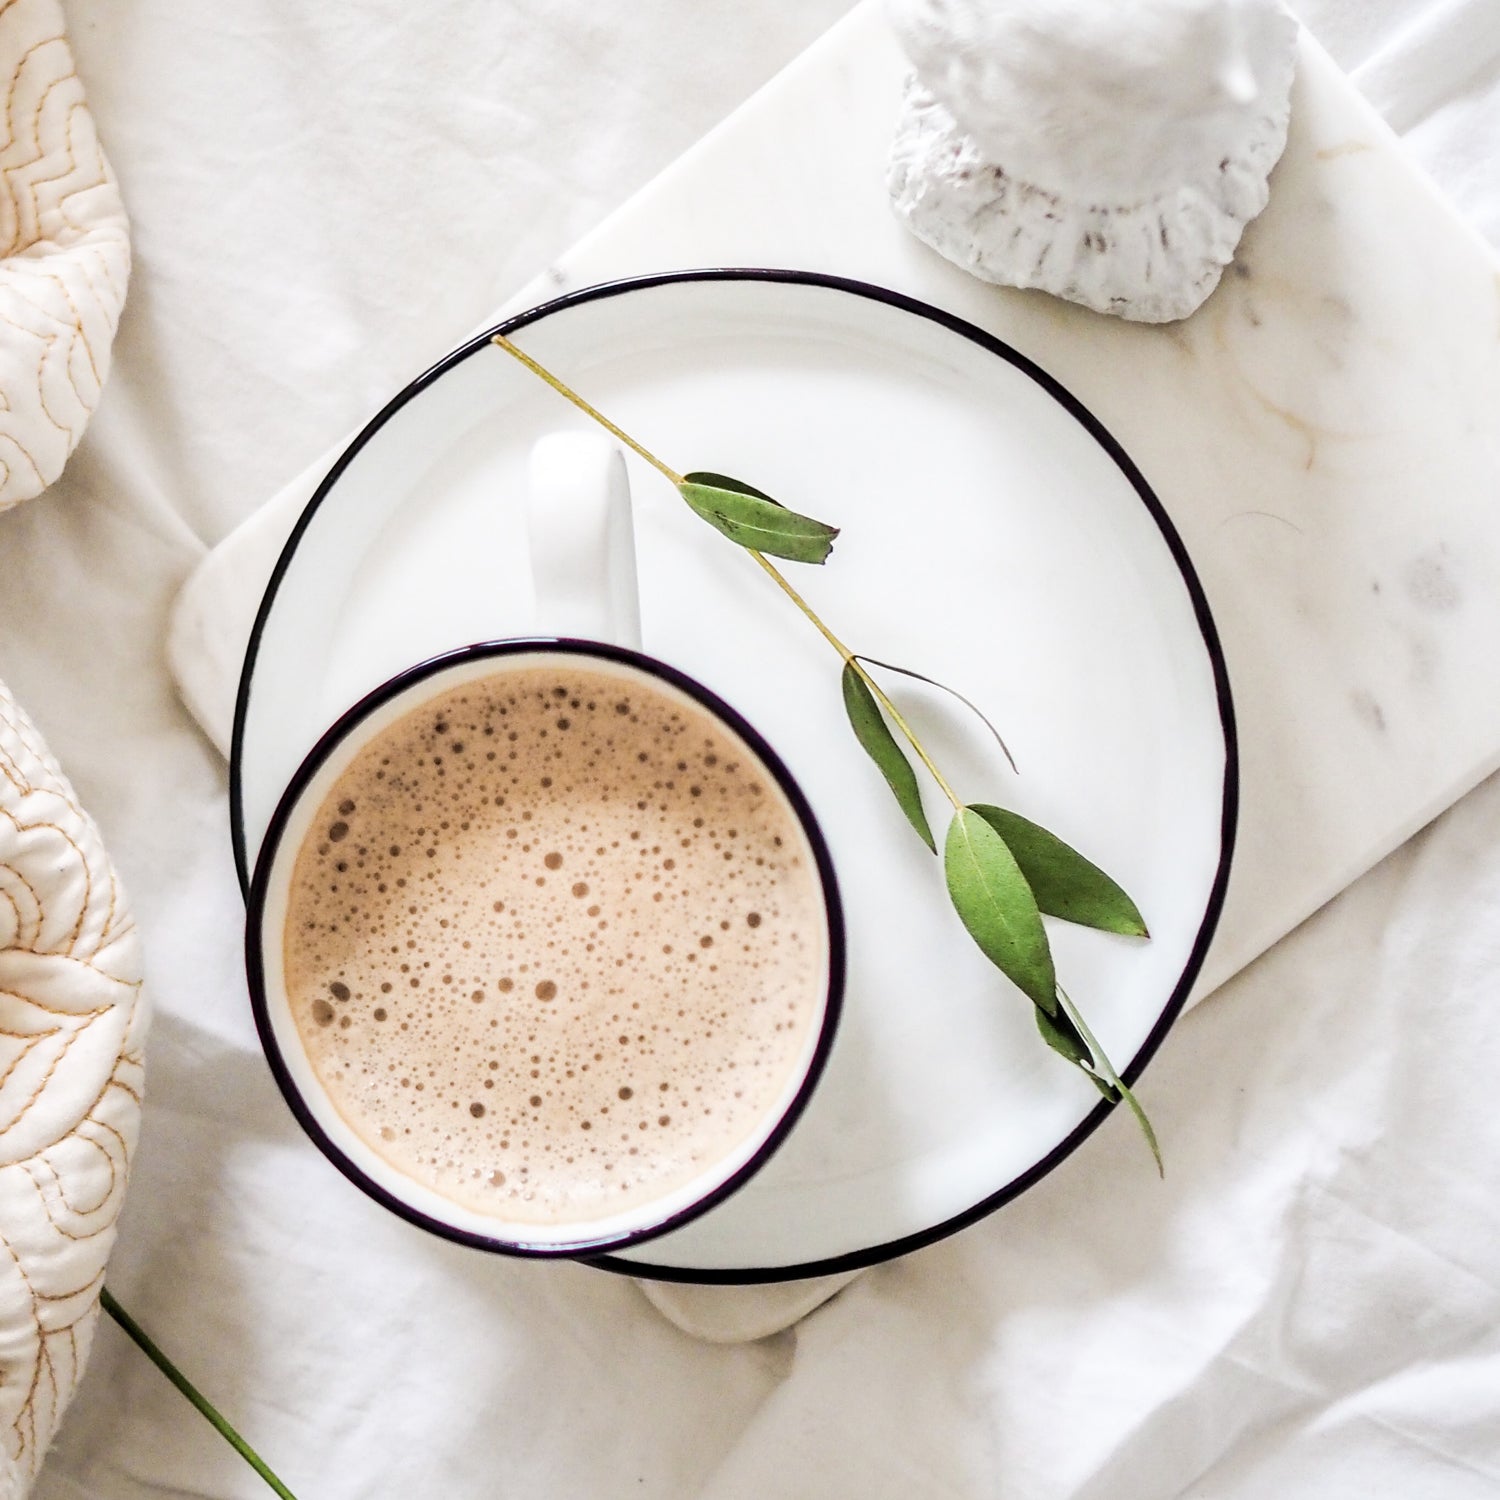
546, 946
554, 943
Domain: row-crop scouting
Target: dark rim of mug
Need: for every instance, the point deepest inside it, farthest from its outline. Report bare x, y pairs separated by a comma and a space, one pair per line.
336, 736
885, 1250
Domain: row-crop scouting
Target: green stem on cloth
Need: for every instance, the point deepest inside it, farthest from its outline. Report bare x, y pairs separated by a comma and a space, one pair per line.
153, 1352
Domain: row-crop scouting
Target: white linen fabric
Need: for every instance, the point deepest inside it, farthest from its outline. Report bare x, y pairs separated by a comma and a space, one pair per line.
324, 200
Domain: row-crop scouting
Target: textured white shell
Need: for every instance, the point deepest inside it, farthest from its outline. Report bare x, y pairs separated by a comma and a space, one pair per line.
64, 253
72, 1024
1109, 153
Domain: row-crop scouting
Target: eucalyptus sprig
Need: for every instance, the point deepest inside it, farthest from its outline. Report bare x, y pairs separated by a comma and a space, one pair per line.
1003, 872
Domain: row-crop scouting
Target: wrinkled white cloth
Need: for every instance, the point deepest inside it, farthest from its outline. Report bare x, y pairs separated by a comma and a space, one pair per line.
324, 199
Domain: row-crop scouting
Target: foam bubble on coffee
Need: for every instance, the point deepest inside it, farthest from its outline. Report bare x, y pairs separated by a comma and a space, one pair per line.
555, 944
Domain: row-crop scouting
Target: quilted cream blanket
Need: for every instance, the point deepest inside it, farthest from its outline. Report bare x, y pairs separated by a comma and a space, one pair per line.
71, 1028
66, 252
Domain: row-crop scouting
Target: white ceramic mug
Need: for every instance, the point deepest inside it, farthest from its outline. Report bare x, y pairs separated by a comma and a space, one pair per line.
582, 548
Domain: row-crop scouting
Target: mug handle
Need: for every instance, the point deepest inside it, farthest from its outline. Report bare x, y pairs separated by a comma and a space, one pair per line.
581, 537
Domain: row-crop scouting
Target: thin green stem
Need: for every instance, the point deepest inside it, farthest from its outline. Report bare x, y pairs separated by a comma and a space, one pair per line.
849, 657
569, 394
154, 1353
802, 604
899, 720
968, 703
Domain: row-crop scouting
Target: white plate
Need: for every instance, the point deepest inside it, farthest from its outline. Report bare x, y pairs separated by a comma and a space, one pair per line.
994, 537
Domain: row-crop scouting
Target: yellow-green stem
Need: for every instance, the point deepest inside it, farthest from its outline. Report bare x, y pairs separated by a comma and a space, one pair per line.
502, 342
851, 661
569, 394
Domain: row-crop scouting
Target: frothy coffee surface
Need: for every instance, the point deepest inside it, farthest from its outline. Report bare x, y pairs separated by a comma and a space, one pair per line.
553, 943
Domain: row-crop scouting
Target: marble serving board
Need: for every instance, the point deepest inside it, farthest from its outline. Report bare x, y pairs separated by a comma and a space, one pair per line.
1322, 432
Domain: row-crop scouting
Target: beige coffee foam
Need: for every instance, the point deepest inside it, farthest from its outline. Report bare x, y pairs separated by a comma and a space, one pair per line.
553, 945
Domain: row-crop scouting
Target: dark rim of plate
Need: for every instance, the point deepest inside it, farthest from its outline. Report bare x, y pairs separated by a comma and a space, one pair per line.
887, 1250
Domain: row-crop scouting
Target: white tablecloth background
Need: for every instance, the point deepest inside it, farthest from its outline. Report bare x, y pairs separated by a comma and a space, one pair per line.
325, 197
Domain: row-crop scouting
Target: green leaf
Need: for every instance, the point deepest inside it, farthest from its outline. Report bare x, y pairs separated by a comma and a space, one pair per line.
1065, 884
998, 908
725, 482
1104, 1069
973, 707
880, 745
1061, 1035
753, 519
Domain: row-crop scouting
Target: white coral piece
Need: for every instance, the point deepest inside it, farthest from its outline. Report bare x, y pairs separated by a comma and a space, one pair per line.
1109, 153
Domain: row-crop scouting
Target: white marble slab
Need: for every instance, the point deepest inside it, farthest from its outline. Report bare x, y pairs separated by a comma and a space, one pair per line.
1323, 433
